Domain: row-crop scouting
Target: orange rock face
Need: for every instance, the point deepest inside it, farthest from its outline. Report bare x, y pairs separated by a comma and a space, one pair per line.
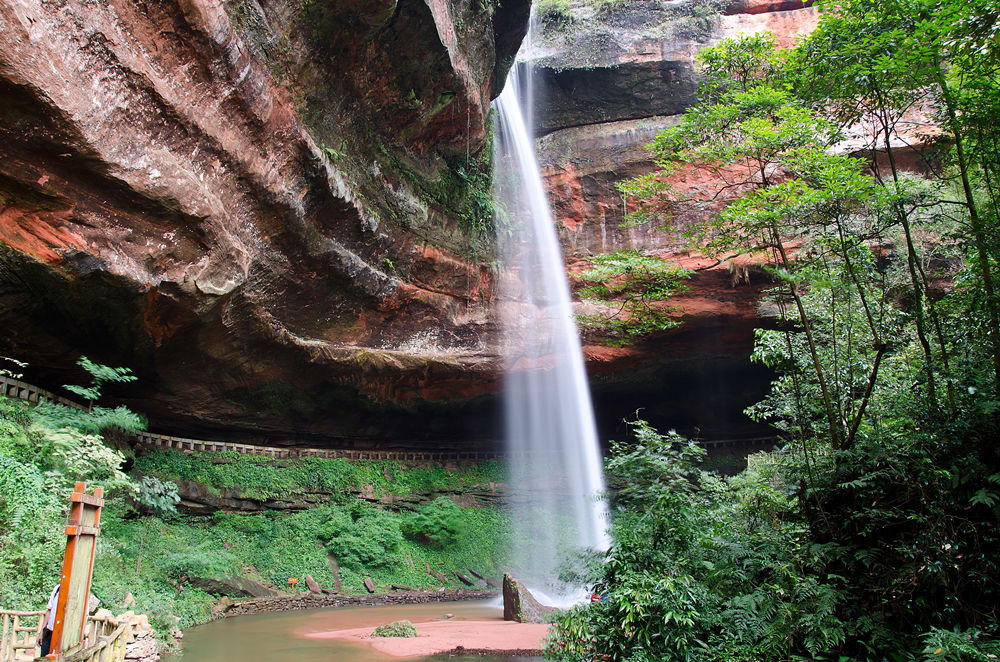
230, 198
252, 205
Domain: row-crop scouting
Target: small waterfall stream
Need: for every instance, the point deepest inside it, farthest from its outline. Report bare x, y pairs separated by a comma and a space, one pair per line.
555, 466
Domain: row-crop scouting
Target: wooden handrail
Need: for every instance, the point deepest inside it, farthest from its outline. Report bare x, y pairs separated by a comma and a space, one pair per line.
18, 389
103, 633
115, 641
16, 637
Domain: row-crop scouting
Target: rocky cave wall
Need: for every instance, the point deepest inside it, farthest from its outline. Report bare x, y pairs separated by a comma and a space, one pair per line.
610, 76
264, 207
268, 209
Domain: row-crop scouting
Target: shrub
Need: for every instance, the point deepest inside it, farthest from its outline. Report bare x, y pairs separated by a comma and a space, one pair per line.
440, 523
554, 14
397, 629
362, 537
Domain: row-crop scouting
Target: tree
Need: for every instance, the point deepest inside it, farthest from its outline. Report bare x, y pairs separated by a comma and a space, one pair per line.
872, 533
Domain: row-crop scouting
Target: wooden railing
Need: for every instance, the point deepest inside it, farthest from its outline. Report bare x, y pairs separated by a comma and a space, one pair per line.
17, 640
15, 388
105, 641
104, 638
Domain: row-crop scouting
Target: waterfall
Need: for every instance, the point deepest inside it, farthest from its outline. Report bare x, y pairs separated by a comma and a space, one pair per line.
555, 461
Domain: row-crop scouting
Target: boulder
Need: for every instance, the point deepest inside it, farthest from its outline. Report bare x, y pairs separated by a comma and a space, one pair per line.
520, 605
369, 584
313, 585
142, 648
234, 587
221, 606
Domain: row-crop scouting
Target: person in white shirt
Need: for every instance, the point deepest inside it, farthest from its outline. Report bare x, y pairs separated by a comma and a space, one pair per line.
49, 622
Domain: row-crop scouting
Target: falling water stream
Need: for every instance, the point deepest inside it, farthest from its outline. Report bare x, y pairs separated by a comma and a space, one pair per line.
555, 461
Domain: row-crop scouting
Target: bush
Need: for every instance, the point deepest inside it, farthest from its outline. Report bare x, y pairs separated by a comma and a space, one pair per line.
440, 523
701, 568
397, 629
362, 537
554, 14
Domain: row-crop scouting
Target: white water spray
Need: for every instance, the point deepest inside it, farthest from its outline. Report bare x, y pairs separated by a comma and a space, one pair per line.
555, 461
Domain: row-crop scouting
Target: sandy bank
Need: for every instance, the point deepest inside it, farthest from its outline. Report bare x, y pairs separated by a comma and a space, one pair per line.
445, 636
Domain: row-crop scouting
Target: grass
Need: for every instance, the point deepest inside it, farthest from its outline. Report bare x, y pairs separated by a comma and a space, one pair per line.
272, 546
265, 478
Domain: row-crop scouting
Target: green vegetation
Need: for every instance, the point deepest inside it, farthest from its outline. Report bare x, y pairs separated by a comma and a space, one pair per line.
705, 568
397, 629
440, 523
554, 14
638, 285
44, 450
871, 533
464, 188
592, 22
263, 478
173, 564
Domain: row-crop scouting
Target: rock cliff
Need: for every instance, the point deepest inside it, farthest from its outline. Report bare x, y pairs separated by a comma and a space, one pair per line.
611, 75
270, 209
275, 211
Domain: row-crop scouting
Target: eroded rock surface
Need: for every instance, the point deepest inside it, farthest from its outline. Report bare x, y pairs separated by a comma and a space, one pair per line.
520, 605
267, 208
612, 76
261, 206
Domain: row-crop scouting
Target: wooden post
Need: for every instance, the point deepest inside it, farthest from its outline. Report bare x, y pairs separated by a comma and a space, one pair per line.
82, 529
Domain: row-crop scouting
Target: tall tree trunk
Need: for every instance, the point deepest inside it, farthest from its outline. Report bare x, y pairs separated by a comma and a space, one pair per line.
911, 263
831, 414
978, 231
877, 342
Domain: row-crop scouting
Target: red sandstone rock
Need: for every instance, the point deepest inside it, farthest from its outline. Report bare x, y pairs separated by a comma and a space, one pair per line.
232, 204
225, 199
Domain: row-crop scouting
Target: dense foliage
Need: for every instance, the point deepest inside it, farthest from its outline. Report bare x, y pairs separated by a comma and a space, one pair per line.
172, 563
635, 287
872, 533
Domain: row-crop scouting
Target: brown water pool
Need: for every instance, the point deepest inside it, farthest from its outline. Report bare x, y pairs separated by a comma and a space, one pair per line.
280, 637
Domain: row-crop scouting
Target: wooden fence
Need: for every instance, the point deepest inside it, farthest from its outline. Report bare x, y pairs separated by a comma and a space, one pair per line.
105, 638
19, 641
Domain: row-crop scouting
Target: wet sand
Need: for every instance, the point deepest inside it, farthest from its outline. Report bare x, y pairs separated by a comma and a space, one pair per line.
495, 636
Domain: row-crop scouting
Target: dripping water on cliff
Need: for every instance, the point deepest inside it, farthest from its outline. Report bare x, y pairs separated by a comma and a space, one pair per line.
555, 462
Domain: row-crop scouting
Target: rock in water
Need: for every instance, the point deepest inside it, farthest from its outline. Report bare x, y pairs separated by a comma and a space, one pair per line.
312, 585
520, 605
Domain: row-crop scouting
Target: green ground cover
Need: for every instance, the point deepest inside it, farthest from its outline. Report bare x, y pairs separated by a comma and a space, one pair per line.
163, 557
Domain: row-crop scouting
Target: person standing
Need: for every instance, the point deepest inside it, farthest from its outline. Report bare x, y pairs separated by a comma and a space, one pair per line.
49, 622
